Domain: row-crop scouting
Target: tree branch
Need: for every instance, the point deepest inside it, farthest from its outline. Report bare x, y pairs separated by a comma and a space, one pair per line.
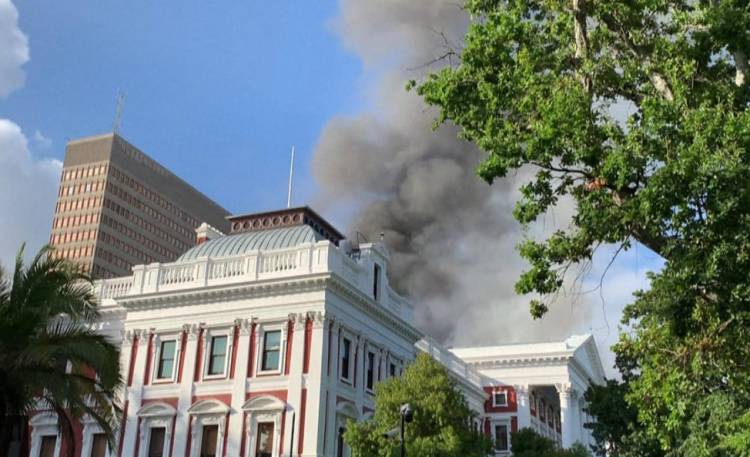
740, 62
657, 79
582, 41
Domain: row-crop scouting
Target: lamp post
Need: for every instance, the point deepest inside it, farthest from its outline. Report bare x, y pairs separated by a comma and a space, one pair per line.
407, 415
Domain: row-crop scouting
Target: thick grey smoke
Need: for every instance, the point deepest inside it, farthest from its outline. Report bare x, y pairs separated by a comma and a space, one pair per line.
451, 236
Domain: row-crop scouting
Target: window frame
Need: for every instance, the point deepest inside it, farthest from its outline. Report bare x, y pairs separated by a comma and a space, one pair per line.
262, 329
495, 393
262, 351
207, 349
366, 370
349, 379
495, 425
158, 344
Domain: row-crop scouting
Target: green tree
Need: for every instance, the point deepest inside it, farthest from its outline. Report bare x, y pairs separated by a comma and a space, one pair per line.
442, 418
50, 351
528, 443
637, 110
615, 427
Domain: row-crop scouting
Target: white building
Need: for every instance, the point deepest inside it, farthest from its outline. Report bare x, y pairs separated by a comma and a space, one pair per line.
269, 339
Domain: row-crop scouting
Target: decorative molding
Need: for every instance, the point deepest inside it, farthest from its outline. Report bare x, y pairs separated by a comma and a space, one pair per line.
245, 326
318, 318
192, 331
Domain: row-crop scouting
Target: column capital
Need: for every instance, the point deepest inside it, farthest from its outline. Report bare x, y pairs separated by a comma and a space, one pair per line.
192, 331
143, 334
521, 389
128, 337
318, 318
244, 325
565, 390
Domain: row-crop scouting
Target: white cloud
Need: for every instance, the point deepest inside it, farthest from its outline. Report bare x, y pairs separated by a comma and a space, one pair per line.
42, 141
14, 51
28, 191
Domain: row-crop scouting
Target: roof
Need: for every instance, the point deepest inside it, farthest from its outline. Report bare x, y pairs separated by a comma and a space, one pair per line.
582, 347
242, 243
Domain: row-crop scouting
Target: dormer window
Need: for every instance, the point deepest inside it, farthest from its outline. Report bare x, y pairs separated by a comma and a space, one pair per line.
500, 398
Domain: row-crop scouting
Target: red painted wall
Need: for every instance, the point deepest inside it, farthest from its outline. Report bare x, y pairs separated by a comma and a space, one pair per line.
512, 400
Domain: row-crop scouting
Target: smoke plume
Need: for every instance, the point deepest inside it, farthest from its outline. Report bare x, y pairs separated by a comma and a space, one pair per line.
451, 236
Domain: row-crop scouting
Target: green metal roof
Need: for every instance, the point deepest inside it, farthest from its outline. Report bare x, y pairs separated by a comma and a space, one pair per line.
241, 243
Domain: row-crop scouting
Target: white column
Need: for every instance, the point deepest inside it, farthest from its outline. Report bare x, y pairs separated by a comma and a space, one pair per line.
134, 392
315, 410
333, 379
185, 393
239, 385
294, 395
567, 414
360, 377
524, 407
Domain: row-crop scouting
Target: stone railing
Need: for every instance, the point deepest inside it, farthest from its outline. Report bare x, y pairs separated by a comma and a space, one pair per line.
321, 257
460, 370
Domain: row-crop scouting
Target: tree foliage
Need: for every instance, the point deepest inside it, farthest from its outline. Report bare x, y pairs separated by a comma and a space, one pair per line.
442, 418
528, 443
50, 354
638, 111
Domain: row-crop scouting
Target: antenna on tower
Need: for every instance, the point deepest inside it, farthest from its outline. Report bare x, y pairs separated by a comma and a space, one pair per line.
291, 175
118, 112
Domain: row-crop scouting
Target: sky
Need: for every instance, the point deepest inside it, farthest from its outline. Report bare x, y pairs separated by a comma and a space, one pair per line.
218, 92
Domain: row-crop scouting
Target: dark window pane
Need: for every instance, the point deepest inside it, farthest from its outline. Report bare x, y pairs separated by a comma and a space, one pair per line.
156, 443
345, 353
376, 281
48, 446
208, 440
166, 359
264, 440
218, 355
501, 437
370, 369
99, 445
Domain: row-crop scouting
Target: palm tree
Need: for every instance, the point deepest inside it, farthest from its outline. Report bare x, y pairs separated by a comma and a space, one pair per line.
51, 356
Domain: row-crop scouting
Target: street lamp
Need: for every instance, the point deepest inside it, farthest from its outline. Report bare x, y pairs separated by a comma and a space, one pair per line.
407, 415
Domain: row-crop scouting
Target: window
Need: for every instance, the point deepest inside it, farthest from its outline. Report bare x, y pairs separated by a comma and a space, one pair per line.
264, 440
500, 398
99, 445
346, 347
208, 440
217, 356
501, 437
376, 281
271, 351
392, 370
167, 355
48, 446
156, 443
370, 370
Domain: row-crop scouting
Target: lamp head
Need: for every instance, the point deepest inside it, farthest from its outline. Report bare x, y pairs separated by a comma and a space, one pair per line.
406, 412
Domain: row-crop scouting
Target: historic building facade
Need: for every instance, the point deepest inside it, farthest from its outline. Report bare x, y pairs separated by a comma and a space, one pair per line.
264, 342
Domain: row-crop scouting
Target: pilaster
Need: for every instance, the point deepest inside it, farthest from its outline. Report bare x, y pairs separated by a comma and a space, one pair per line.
239, 385
185, 394
135, 391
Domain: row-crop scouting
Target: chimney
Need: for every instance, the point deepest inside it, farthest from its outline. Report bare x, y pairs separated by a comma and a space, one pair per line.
205, 233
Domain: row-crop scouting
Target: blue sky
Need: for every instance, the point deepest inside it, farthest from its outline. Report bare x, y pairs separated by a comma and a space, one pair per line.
219, 92
216, 91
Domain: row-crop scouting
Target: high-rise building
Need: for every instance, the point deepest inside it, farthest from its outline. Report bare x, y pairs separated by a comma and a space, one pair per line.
117, 207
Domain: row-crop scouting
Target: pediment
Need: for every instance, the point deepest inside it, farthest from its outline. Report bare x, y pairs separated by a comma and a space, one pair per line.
264, 403
157, 409
208, 407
